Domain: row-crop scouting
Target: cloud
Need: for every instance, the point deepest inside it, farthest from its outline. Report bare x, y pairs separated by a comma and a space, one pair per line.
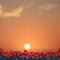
48, 7
14, 13
1, 10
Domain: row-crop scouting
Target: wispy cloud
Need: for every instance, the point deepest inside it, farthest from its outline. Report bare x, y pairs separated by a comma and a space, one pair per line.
14, 13
1, 10
48, 7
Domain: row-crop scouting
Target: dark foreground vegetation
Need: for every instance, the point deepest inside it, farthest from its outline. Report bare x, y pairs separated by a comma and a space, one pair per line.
25, 55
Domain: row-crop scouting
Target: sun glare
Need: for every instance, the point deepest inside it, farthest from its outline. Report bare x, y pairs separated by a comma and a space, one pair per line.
27, 46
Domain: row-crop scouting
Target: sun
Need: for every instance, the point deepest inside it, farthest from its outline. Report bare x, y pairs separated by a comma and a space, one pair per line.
27, 46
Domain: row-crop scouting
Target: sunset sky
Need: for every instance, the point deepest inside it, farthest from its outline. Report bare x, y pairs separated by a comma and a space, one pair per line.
36, 22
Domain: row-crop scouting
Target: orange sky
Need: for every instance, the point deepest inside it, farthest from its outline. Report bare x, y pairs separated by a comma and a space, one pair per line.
31, 23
